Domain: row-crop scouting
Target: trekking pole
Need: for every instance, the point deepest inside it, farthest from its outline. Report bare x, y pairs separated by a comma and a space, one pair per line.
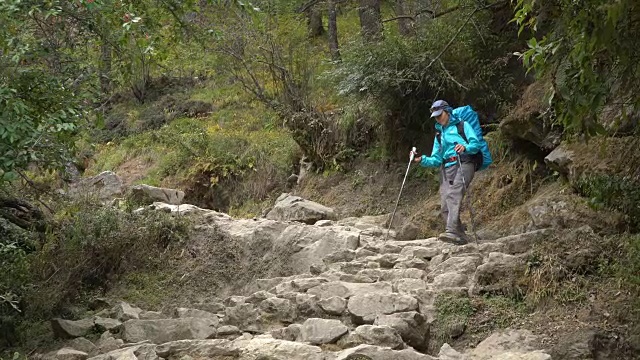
411, 156
464, 183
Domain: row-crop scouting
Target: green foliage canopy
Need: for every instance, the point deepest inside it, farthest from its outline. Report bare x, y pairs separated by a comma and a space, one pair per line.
590, 50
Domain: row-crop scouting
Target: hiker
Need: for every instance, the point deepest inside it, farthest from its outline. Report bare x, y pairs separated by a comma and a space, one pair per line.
456, 148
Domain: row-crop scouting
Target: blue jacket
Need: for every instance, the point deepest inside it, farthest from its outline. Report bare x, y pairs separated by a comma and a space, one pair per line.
449, 138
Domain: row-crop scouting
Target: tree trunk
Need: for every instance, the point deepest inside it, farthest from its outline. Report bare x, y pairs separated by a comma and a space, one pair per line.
424, 16
333, 32
370, 20
405, 26
105, 69
314, 20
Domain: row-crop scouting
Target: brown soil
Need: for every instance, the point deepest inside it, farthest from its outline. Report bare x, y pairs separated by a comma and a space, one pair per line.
134, 169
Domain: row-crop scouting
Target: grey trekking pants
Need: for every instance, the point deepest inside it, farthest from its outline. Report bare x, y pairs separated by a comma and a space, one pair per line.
452, 193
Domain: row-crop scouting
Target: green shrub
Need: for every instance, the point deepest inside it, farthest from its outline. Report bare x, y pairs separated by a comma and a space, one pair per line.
87, 246
452, 311
613, 191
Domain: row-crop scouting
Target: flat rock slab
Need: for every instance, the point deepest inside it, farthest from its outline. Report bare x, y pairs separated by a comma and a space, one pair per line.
322, 331
265, 347
166, 330
346, 290
69, 329
365, 308
197, 348
372, 352
295, 208
373, 335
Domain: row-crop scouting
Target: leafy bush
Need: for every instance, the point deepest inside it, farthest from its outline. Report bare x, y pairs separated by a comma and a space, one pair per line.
86, 247
589, 50
613, 191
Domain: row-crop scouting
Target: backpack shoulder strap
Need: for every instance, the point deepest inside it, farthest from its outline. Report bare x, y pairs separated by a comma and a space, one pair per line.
460, 126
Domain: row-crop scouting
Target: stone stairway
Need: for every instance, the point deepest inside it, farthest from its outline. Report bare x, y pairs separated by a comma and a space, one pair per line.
359, 297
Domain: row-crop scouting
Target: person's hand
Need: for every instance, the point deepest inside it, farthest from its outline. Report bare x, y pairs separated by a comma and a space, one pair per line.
417, 159
459, 148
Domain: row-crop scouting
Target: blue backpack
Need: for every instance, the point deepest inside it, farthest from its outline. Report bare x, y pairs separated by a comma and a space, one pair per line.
467, 114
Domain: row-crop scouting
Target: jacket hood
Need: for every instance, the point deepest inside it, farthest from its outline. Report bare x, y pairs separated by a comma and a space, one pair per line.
453, 120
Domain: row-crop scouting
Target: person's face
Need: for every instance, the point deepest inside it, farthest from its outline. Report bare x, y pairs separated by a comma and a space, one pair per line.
443, 119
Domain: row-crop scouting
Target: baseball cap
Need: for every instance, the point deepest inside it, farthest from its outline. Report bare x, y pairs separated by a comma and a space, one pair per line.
438, 107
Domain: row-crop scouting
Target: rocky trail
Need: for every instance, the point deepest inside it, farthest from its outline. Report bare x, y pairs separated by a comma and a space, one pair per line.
355, 296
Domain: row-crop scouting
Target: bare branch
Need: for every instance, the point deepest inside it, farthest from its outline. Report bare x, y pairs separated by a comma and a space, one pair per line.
420, 12
475, 25
451, 76
453, 38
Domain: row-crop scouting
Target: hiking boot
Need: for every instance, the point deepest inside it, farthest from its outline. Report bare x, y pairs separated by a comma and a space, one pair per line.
449, 237
455, 239
464, 239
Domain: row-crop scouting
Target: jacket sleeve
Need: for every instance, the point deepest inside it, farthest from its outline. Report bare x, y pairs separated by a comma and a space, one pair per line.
473, 143
435, 159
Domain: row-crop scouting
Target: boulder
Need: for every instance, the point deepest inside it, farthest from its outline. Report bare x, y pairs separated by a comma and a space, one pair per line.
322, 331
367, 222
346, 290
409, 231
426, 253
83, 345
108, 343
165, 330
580, 345
450, 280
67, 354
405, 286
411, 264
69, 329
412, 327
244, 316
449, 353
508, 344
147, 194
265, 347
457, 264
344, 255
152, 315
364, 308
278, 309
104, 186
229, 331
123, 311
560, 160
130, 352
372, 335
257, 297
526, 120
234, 300
289, 333
333, 306
195, 313
372, 352
294, 208
209, 348
311, 244
499, 273
307, 306
107, 324
521, 243
299, 285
